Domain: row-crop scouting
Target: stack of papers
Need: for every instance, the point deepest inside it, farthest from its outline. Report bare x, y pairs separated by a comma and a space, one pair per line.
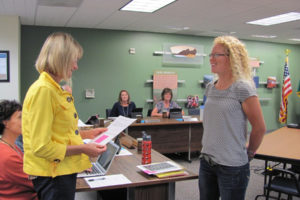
163, 169
172, 174
160, 167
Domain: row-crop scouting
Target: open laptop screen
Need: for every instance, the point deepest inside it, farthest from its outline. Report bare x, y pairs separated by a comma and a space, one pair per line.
136, 111
175, 113
106, 158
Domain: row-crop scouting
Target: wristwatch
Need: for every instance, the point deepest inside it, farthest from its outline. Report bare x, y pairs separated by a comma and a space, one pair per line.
250, 154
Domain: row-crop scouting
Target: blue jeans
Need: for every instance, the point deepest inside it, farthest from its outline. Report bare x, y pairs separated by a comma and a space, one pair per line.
58, 188
218, 180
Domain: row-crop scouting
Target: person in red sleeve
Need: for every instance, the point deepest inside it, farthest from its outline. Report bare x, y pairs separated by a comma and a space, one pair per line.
14, 183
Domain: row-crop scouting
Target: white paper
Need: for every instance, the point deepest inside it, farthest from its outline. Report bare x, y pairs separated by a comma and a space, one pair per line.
186, 117
191, 119
124, 152
81, 124
115, 128
109, 180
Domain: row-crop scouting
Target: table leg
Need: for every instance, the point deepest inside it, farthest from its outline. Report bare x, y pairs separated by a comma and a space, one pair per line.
190, 138
172, 191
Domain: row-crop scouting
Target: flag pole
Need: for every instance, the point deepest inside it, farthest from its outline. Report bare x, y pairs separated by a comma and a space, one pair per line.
287, 52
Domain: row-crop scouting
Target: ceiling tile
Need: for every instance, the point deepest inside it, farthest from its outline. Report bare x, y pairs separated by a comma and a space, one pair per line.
53, 16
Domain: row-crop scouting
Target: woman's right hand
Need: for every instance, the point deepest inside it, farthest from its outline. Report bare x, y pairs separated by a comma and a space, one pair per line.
93, 149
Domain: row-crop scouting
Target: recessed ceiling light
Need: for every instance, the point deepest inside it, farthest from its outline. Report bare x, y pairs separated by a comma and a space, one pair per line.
278, 19
264, 36
146, 5
295, 39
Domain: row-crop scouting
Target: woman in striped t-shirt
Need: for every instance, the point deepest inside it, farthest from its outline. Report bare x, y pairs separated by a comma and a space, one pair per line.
231, 102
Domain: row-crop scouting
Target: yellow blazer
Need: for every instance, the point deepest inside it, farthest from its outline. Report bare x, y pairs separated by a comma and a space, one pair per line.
49, 125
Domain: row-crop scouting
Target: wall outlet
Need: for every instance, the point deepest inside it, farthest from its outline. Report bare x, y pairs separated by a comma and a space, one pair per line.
131, 50
89, 93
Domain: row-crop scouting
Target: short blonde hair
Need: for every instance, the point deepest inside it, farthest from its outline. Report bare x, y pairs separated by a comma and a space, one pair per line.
238, 56
57, 54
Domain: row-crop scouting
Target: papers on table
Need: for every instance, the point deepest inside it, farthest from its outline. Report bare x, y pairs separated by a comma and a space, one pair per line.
160, 167
114, 129
83, 125
172, 174
186, 117
191, 119
124, 152
109, 180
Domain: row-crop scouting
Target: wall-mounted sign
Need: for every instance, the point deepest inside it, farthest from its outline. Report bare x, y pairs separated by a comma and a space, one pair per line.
4, 66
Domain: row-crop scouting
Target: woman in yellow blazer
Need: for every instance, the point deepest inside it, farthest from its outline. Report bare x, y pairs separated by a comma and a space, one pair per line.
54, 151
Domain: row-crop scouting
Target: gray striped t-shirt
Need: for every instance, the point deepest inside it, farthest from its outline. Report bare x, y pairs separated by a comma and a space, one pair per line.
225, 123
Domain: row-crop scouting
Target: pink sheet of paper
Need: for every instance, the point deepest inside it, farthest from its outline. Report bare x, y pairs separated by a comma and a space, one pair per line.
100, 139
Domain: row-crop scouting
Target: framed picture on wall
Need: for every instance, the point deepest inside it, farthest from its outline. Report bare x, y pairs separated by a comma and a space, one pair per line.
4, 66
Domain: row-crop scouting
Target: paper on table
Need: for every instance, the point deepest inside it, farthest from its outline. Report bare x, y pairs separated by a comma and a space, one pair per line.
101, 181
115, 128
124, 152
191, 119
81, 124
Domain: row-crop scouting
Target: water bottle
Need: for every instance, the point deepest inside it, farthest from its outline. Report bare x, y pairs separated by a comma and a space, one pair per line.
146, 148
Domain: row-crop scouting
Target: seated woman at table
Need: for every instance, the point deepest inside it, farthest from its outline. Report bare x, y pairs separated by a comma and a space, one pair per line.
14, 183
124, 106
165, 104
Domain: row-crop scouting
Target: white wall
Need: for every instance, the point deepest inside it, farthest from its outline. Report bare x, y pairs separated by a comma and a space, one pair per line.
10, 40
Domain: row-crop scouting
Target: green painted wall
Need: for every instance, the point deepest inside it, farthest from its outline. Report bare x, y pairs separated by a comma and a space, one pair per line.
108, 67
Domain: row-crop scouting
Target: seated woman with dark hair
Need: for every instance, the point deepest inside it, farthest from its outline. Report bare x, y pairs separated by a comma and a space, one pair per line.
124, 106
165, 104
14, 183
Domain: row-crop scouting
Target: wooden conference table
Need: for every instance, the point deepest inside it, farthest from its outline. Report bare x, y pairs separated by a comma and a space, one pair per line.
142, 186
170, 135
281, 145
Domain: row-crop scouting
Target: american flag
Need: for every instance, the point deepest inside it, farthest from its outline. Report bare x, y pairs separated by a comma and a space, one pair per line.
286, 91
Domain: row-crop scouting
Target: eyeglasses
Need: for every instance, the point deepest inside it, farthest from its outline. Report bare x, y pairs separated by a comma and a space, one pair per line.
217, 55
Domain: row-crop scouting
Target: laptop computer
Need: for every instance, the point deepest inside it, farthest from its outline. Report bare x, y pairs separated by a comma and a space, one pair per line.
175, 113
103, 163
136, 111
161, 167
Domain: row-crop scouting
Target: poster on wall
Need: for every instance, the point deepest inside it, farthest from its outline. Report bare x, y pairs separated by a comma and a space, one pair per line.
4, 66
161, 80
182, 54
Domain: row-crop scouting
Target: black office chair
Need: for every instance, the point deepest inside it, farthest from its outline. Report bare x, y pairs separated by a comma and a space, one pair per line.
282, 181
107, 112
194, 111
149, 112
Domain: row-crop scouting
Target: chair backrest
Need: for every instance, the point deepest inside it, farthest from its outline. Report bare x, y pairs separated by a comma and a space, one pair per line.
194, 111
283, 181
107, 112
149, 112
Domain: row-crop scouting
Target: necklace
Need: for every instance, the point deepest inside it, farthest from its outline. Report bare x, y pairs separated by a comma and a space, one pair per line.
125, 115
14, 148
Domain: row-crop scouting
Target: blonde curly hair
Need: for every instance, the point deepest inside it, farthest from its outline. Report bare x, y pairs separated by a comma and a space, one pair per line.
238, 57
